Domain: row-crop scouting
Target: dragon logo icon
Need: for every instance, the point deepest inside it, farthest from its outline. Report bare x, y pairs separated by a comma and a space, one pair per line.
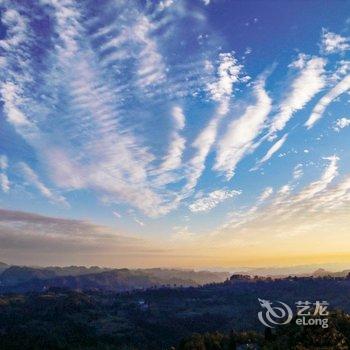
274, 313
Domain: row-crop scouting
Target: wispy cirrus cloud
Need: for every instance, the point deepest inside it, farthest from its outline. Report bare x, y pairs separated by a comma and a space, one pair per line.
318, 111
341, 124
288, 212
151, 68
273, 149
310, 80
116, 214
238, 140
90, 88
94, 129
211, 200
32, 178
228, 74
298, 171
4, 180
266, 194
81, 137
3, 162
318, 186
177, 142
334, 43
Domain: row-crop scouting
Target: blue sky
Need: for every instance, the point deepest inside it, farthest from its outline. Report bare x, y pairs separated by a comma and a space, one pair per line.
179, 125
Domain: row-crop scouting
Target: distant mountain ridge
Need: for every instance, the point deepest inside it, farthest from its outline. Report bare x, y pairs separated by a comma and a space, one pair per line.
76, 270
325, 273
20, 274
3, 267
23, 279
284, 272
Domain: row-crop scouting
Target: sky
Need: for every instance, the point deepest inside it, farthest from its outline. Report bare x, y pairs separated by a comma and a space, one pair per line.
202, 133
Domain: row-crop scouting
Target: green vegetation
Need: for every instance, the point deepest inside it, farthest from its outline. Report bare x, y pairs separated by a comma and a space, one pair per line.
288, 337
212, 317
136, 310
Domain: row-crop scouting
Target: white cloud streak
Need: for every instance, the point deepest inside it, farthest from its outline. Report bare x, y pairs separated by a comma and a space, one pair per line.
151, 68
220, 91
213, 199
17, 29
116, 214
34, 180
4, 183
334, 43
298, 172
309, 81
238, 140
287, 211
341, 124
318, 186
139, 222
326, 100
4, 180
274, 148
266, 194
228, 74
177, 142
3, 162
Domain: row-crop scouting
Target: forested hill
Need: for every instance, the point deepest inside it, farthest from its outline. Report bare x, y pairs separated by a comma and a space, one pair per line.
166, 318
